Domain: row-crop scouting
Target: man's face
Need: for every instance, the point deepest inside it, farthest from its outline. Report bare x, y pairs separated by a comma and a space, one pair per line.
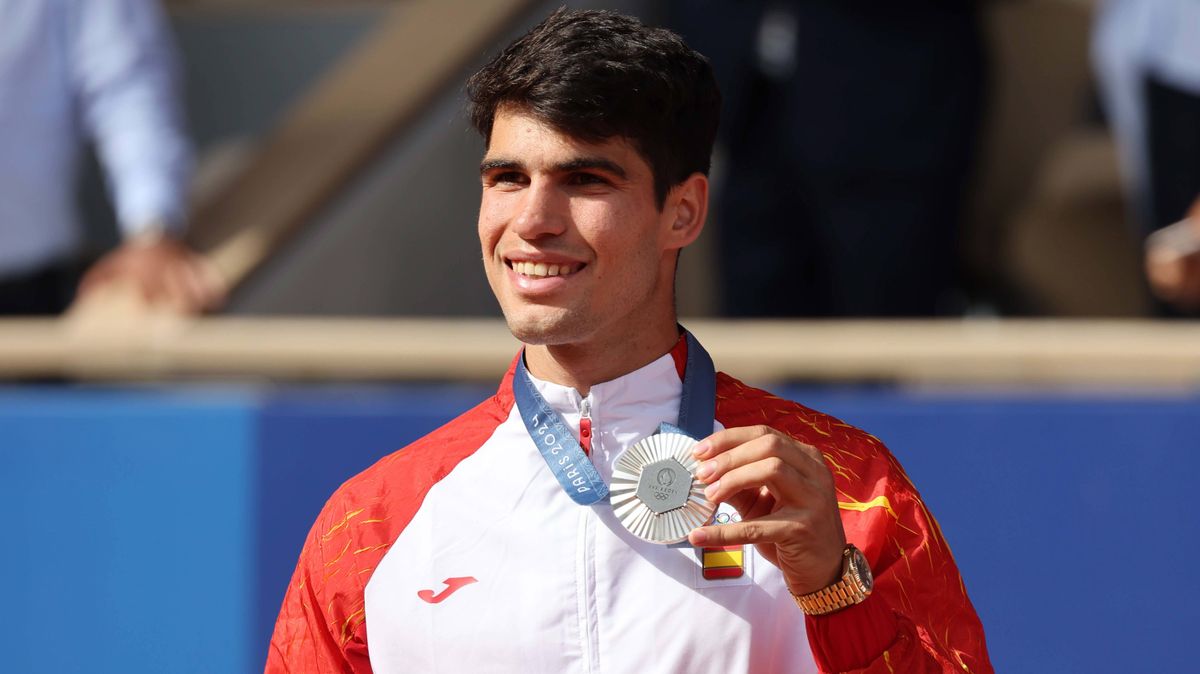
574, 245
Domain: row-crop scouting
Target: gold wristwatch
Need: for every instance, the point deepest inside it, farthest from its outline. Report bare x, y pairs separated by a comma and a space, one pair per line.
854, 586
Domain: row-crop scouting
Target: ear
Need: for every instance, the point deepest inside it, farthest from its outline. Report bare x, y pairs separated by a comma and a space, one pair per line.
686, 207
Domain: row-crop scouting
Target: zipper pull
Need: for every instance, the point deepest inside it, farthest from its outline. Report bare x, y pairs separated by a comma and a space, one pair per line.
585, 427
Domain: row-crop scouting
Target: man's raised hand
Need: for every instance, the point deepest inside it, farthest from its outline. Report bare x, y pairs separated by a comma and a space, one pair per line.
785, 494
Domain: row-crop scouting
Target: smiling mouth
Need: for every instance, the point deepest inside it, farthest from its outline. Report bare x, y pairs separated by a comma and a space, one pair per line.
544, 270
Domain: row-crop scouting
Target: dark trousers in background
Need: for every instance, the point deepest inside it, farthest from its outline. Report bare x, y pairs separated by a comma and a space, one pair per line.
1173, 143
845, 173
1173, 157
44, 292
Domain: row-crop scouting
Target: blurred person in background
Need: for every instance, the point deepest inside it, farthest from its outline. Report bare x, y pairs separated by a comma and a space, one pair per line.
1146, 55
1173, 262
103, 71
849, 139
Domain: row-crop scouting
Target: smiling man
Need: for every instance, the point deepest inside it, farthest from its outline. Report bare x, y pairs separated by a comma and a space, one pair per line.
619, 506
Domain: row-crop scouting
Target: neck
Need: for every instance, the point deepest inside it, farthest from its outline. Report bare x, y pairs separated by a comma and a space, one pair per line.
586, 364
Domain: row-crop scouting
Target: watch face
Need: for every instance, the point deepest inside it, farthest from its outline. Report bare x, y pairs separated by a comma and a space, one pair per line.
862, 570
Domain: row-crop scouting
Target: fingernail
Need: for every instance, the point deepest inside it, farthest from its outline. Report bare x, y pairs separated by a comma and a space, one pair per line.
711, 489
698, 536
700, 449
706, 469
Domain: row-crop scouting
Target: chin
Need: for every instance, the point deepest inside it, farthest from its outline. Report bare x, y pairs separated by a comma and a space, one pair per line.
546, 326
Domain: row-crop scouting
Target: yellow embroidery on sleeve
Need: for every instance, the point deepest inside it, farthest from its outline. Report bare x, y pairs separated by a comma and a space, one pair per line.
863, 506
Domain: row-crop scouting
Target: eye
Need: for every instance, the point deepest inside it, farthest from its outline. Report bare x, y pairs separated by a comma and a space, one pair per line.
586, 179
505, 179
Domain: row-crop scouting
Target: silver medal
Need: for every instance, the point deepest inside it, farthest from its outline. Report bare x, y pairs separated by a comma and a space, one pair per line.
653, 491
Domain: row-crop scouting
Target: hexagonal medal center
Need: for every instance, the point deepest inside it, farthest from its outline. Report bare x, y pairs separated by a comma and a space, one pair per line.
664, 485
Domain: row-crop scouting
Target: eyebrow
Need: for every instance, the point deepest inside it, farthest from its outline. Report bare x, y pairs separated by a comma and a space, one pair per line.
493, 164
577, 164
581, 163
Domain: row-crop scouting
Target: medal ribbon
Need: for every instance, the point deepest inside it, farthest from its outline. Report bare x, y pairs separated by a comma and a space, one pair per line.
558, 446
698, 404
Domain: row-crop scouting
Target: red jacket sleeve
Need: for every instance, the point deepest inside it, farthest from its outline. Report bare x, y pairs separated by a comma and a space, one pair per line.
919, 599
321, 628
919, 618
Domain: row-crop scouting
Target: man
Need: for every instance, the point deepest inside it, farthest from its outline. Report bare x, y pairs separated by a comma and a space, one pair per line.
71, 69
849, 134
1173, 262
484, 545
1146, 58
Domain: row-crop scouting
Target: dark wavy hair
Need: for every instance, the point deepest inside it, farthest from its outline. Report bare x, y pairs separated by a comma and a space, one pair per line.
595, 75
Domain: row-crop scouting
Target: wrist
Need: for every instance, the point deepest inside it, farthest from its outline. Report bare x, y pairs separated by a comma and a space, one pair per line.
852, 586
836, 571
150, 232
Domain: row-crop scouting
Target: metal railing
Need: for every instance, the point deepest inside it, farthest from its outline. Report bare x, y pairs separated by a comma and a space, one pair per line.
1052, 353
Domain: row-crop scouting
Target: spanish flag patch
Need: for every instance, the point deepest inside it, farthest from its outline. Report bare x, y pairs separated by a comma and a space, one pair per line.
723, 562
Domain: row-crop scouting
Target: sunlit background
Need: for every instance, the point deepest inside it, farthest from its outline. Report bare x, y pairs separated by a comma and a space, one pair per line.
928, 221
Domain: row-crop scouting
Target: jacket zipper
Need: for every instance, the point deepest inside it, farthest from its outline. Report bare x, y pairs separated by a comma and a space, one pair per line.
588, 619
585, 426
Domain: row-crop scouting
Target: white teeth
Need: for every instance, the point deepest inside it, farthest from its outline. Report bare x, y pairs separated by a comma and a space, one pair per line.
542, 269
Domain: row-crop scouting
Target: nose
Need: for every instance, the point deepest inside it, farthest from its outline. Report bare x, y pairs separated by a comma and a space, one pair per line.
543, 211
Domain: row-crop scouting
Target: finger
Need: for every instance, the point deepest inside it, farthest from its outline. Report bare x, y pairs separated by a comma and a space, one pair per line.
729, 438
757, 449
147, 277
197, 293
747, 532
211, 282
203, 292
170, 288
783, 480
98, 275
1189, 293
744, 502
750, 503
